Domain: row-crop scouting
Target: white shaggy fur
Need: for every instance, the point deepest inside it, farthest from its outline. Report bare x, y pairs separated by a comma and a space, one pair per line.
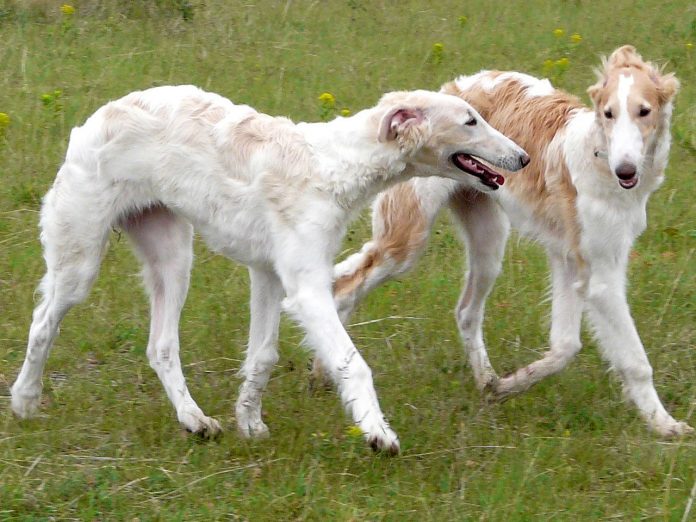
271, 194
614, 157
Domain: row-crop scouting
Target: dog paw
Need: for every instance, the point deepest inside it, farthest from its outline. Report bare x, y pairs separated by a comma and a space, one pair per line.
672, 429
380, 437
249, 423
386, 442
256, 429
25, 406
499, 390
511, 385
488, 383
199, 424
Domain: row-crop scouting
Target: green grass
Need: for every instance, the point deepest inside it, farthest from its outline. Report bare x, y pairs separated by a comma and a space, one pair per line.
108, 445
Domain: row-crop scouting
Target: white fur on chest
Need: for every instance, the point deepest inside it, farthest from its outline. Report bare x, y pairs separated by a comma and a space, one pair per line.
611, 217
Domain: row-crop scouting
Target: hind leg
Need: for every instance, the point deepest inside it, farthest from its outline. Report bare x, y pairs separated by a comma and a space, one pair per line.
163, 242
485, 230
73, 251
402, 219
566, 317
262, 354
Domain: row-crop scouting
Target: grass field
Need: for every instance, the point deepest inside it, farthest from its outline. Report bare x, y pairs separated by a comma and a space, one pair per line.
108, 445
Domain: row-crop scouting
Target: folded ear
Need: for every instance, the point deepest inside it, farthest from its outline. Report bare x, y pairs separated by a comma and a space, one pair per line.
595, 91
667, 86
396, 121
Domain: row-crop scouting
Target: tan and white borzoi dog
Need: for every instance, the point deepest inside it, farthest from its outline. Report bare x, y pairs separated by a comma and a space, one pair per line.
269, 193
583, 197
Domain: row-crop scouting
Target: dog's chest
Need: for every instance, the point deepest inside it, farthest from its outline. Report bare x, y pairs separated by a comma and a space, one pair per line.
609, 230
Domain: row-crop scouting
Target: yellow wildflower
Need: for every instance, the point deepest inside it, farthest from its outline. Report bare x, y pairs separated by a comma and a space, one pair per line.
689, 45
354, 432
558, 33
345, 112
4, 120
326, 98
463, 20
575, 38
563, 62
67, 9
438, 51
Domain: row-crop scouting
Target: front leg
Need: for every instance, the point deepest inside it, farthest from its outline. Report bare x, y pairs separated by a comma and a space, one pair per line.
310, 302
621, 346
484, 229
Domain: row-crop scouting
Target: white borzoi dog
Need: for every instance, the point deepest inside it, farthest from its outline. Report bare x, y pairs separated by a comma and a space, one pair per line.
269, 193
583, 197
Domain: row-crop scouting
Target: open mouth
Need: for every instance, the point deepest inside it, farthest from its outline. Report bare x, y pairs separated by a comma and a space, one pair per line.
472, 166
627, 181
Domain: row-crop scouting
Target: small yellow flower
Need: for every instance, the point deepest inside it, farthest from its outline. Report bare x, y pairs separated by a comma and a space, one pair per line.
575, 38
4, 120
463, 20
354, 432
326, 98
345, 112
563, 62
689, 45
67, 9
558, 33
438, 52
548, 63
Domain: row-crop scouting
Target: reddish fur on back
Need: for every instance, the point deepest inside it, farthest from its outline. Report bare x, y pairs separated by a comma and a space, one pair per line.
533, 122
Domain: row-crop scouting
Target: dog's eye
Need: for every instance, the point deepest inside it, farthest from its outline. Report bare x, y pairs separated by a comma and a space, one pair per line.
471, 122
608, 115
644, 111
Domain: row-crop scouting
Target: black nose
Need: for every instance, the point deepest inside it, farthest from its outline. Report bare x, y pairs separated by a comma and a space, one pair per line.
625, 171
524, 159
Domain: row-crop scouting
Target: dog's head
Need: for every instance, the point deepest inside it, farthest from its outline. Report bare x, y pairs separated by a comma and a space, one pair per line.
442, 135
633, 101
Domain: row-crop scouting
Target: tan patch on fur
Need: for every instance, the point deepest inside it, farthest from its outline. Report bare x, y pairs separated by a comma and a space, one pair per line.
206, 111
627, 60
349, 283
404, 225
650, 89
404, 232
544, 185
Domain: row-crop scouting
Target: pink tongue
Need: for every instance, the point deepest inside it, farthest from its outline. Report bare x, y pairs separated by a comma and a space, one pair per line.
628, 183
492, 176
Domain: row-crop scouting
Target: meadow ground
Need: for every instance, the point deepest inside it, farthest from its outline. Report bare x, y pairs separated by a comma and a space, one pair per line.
108, 445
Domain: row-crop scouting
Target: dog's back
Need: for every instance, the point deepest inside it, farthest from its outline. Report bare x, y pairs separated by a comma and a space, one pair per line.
534, 114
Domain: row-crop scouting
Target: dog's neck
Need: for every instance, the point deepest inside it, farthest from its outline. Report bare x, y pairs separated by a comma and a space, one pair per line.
355, 166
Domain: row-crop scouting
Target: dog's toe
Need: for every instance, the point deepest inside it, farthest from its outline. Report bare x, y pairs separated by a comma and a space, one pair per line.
672, 429
253, 429
26, 406
679, 429
384, 445
208, 429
